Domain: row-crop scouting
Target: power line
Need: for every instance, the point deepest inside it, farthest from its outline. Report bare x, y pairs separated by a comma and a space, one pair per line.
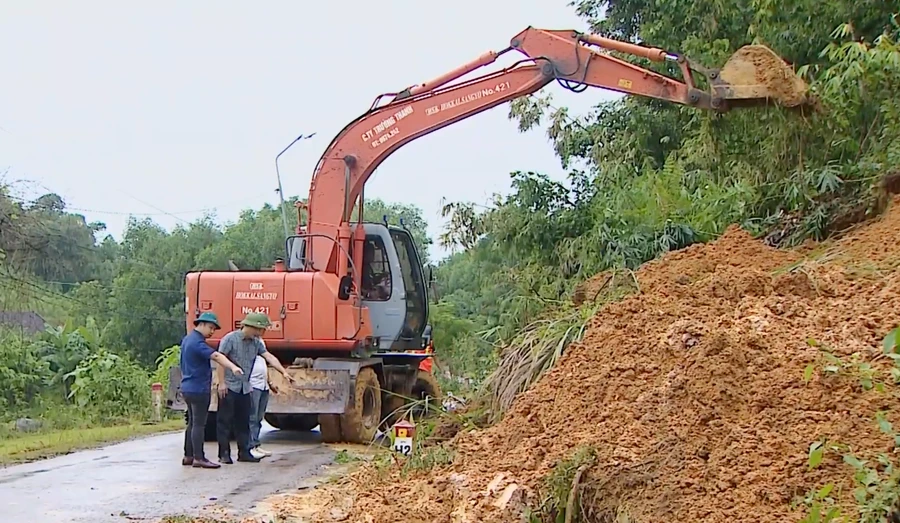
115, 287
94, 249
154, 207
25, 201
87, 305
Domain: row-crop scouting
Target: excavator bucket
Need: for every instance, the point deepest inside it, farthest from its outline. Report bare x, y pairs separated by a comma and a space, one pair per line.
756, 74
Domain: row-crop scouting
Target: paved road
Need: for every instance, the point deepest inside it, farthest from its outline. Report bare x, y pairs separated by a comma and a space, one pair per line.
143, 479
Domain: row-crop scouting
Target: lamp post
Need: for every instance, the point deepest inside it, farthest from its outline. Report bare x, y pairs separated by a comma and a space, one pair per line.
280, 191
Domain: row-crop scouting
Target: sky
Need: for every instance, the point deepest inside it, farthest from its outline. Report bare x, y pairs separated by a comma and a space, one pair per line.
173, 109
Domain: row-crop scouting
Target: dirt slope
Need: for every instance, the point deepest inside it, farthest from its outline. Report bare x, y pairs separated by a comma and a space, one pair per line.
692, 393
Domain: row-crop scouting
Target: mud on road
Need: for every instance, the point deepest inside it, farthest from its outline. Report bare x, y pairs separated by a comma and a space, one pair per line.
142, 480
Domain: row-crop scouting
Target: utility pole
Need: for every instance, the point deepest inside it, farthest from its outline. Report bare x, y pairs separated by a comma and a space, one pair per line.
280, 191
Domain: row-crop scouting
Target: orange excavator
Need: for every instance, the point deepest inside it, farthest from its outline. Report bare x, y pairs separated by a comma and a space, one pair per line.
349, 302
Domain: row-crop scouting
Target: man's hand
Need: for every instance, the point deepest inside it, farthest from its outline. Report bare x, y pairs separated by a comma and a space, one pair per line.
288, 377
237, 371
273, 389
222, 390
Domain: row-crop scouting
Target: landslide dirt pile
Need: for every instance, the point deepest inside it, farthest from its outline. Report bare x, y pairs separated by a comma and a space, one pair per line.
693, 395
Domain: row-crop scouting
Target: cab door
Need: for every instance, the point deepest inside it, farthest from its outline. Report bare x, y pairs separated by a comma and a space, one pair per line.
382, 289
416, 297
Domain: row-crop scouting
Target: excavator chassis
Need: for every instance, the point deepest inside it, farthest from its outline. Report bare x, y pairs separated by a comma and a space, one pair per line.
316, 391
327, 388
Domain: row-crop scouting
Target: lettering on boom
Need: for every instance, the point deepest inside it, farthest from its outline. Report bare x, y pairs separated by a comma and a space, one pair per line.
387, 126
469, 98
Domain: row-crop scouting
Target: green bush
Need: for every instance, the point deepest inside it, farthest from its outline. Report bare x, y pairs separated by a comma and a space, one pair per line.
111, 386
63, 348
23, 373
168, 358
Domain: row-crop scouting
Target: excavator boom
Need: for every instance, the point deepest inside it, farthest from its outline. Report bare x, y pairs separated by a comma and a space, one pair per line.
575, 60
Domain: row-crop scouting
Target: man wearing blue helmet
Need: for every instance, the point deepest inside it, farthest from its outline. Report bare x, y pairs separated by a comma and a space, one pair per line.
196, 382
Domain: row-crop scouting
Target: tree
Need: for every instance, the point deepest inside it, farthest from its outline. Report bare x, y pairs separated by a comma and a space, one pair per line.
134, 289
409, 216
147, 294
647, 177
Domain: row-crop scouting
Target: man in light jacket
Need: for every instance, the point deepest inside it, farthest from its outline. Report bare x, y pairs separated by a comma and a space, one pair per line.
259, 400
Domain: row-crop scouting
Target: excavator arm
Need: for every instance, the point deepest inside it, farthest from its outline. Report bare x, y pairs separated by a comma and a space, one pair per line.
575, 60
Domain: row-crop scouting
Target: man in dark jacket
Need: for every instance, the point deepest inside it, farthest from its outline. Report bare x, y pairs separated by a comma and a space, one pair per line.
196, 385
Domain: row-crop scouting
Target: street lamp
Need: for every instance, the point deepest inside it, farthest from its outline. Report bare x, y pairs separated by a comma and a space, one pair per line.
280, 191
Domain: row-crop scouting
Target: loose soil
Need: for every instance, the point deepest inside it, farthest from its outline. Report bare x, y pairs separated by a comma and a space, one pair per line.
692, 394
758, 65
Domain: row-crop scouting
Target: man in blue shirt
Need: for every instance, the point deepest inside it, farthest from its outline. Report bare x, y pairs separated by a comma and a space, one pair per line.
196, 385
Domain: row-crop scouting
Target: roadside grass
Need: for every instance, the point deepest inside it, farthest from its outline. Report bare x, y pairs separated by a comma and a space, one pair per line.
25, 447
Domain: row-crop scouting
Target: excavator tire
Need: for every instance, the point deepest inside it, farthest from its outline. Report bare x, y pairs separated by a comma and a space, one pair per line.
426, 385
392, 409
330, 428
360, 421
756, 72
210, 430
295, 422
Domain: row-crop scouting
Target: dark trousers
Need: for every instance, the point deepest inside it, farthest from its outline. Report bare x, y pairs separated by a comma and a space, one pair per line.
233, 414
197, 412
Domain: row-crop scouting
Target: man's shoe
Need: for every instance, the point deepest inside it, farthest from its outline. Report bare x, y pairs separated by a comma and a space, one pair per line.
249, 459
186, 461
259, 453
205, 464
226, 460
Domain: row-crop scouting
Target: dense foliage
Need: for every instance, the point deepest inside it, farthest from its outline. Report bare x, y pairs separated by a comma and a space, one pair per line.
647, 177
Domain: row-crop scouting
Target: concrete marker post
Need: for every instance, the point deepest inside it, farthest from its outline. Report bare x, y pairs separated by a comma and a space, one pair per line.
156, 401
404, 434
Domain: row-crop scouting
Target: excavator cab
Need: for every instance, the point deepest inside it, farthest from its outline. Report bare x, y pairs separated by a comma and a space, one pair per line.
394, 288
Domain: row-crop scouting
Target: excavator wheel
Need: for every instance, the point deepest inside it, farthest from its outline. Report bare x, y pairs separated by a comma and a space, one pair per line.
210, 430
755, 72
330, 428
295, 422
392, 409
359, 423
426, 386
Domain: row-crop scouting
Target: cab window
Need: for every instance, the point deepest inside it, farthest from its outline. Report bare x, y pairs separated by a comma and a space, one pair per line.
376, 271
